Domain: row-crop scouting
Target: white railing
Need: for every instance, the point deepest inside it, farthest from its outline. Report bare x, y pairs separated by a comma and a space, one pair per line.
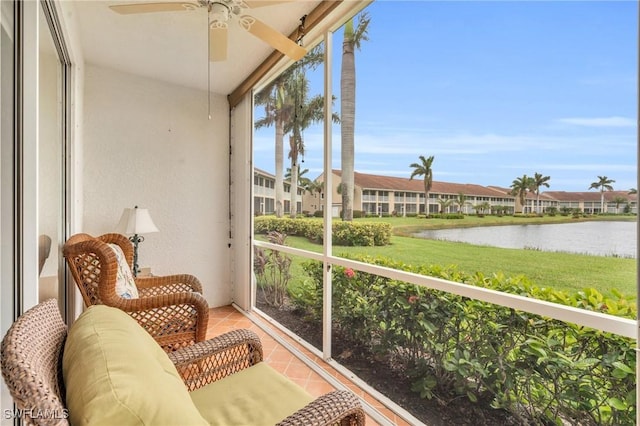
596, 320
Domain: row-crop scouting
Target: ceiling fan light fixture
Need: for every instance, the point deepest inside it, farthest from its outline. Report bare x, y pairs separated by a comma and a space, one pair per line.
219, 14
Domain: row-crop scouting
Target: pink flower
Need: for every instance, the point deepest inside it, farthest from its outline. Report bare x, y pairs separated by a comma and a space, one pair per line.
413, 299
349, 273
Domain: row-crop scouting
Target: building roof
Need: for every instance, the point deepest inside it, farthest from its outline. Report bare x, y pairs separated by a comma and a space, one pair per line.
590, 196
263, 173
391, 183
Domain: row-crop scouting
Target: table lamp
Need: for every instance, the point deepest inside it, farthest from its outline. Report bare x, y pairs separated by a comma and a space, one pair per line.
134, 222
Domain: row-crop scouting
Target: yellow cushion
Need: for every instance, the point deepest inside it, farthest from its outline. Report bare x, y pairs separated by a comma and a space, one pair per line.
116, 374
258, 395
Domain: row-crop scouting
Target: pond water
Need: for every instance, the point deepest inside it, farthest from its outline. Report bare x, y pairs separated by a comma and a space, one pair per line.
594, 238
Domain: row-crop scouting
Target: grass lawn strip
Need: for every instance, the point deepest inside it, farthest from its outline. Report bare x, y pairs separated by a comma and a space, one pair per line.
561, 271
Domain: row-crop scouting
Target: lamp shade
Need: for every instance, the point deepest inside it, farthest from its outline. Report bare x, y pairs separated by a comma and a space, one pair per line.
136, 221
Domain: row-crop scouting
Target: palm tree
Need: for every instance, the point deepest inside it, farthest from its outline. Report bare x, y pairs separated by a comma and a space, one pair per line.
444, 203
617, 201
278, 109
306, 112
277, 113
303, 181
603, 183
424, 169
351, 42
536, 182
632, 191
519, 187
461, 199
317, 188
480, 208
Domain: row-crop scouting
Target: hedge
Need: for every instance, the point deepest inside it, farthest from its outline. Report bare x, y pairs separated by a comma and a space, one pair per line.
343, 233
543, 371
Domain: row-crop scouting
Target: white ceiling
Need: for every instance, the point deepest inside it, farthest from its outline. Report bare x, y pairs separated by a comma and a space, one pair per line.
172, 46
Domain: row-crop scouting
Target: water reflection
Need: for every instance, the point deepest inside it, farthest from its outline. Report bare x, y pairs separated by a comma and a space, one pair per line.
594, 238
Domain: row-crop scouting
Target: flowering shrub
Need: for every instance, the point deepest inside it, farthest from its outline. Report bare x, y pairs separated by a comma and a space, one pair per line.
543, 371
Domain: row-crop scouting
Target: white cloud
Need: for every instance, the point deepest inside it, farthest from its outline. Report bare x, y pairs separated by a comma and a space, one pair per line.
599, 121
455, 144
572, 160
386, 145
589, 167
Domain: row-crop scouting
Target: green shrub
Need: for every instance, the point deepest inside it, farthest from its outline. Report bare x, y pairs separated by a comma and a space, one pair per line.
447, 216
361, 234
543, 371
343, 233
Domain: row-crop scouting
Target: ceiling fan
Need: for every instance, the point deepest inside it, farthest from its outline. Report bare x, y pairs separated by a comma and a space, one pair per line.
220, 12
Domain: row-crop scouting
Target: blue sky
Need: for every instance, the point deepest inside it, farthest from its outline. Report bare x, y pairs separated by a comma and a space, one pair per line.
492, 90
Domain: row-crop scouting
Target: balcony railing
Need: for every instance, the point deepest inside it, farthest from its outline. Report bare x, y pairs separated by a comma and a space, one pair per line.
418, 310
599, 321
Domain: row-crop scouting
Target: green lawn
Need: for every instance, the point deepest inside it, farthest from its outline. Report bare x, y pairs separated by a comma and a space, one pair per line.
563, 271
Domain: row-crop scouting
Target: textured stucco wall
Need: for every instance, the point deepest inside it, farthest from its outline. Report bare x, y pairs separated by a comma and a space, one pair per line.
151, 144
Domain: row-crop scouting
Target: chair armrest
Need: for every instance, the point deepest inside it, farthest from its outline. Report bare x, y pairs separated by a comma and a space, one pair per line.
337, 407
213, 359
164, 301
152, 286
169, 318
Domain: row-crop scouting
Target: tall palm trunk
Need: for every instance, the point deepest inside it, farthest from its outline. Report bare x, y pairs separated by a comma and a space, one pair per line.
426, 201
293, 204
279, 167
347, 117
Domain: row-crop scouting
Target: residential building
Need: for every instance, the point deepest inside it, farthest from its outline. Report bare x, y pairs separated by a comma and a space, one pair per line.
390, 195
264, 194
590, 202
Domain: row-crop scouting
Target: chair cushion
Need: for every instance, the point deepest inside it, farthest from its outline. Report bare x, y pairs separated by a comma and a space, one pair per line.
116, 374
125, 283
258, 395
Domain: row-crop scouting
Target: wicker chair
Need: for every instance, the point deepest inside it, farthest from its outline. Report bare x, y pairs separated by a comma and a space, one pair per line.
171, 308
31, 354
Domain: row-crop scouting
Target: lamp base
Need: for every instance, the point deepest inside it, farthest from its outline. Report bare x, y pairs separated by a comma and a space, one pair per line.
136, 239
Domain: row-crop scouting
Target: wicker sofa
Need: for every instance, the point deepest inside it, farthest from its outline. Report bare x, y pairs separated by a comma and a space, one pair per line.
114, 372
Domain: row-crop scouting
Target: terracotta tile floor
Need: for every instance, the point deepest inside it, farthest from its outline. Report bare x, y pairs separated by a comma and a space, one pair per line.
227, 318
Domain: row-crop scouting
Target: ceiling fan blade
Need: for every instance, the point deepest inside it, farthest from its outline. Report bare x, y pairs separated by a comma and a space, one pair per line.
128, 9
261, 3
273, 37
217, 44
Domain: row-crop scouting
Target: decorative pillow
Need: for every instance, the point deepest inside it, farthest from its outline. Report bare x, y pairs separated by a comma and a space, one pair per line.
125, 283
116, 374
